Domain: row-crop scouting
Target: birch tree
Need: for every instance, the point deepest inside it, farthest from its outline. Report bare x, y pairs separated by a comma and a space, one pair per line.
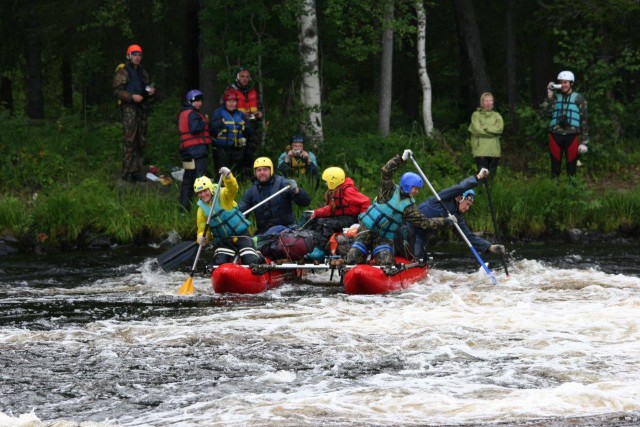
386, 72
425, 82
308, 47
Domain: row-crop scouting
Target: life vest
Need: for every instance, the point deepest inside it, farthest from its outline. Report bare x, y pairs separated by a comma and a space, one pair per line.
247, 99
566, 106
225, 223
298, 166
339, 205
385, 218
233, 128
188, 139
136, 84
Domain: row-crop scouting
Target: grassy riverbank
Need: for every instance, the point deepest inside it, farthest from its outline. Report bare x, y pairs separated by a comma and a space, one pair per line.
59, 181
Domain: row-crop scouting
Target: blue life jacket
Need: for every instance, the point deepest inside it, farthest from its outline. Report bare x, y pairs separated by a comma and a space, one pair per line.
225, 223
233, 128
566, 106
385, 218
136, 84
277, 211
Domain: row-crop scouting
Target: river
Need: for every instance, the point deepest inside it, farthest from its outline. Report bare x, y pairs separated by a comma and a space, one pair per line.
102, 339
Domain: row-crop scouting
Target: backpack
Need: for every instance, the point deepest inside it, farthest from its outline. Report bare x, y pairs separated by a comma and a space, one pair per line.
294, 244
285, 243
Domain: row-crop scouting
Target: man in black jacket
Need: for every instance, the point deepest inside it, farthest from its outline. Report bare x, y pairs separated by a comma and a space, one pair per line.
279, 210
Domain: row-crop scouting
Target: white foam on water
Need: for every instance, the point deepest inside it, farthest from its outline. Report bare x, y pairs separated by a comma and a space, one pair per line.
544, 342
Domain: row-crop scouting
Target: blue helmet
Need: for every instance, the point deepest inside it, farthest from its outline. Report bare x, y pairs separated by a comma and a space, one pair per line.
469, 194
193, 95
410, 180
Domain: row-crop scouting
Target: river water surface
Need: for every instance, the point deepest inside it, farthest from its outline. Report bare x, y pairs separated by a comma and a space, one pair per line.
101, 338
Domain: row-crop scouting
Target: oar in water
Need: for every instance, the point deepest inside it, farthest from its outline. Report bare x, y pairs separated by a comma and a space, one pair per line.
187, 286
495, 225
475, 252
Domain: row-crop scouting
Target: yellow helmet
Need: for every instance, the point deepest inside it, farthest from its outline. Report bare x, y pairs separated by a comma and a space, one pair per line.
334, 176
262, 162
204, 183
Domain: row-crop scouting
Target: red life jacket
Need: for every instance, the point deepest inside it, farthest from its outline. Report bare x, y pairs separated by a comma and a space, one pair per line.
247, 103
188, 139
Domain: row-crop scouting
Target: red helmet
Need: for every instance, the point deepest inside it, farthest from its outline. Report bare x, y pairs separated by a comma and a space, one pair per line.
133, 48
230, 95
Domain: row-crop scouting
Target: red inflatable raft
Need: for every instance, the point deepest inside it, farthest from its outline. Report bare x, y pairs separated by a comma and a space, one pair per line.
369, 279
239, 279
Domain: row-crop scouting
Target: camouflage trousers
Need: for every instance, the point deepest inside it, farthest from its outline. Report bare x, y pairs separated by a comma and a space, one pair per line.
134, 123
372, 241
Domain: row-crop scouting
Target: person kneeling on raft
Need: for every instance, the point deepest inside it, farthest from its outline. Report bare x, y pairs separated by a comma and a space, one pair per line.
393, 206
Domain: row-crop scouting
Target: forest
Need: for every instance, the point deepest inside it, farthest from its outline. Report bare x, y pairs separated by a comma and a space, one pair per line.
61, 133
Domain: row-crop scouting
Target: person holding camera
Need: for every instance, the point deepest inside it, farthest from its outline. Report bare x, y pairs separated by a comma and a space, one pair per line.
296, 161
131, 85
568, 129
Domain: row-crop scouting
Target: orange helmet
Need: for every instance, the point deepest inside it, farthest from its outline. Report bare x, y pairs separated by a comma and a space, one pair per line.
229, 95
133, 48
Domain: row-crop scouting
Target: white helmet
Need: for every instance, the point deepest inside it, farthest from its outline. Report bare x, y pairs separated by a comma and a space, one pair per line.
566, 75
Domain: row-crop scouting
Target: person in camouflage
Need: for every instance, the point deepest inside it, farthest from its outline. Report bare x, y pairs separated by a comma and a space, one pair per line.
393, 206
133, 90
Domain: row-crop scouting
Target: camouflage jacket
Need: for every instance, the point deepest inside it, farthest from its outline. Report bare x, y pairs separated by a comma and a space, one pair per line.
548, 106
120, 81
411, 214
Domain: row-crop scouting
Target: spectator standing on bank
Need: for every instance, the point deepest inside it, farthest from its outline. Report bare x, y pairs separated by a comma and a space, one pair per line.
486, 127
250, 104
568, 127
193, 126
132, 87
296, 161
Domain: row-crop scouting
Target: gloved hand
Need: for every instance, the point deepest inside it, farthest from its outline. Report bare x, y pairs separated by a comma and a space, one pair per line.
406, 154
582, 148
451, 219
484, 173
224, 171
293, 184
497, 249
202, 241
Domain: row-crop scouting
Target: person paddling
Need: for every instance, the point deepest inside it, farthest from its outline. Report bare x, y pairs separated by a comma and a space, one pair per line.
457, 199
229, 227
393, 206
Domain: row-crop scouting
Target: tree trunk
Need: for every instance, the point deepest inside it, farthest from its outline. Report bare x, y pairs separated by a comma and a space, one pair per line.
386, 72
6, 94
189, 51
35, 100
207, 75
310, 70
512, 86
425, 82
263, 108
468, 28
67, 84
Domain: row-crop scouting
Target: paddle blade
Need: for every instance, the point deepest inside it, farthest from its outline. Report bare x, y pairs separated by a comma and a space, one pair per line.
177, 255
187, 287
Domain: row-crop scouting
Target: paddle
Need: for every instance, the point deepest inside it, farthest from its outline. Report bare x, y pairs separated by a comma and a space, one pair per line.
187, 286
178, 254
495, 225
185, 251
482, 264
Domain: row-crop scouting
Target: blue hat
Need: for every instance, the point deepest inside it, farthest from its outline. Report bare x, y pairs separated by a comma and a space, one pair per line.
297, 138
469, 194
